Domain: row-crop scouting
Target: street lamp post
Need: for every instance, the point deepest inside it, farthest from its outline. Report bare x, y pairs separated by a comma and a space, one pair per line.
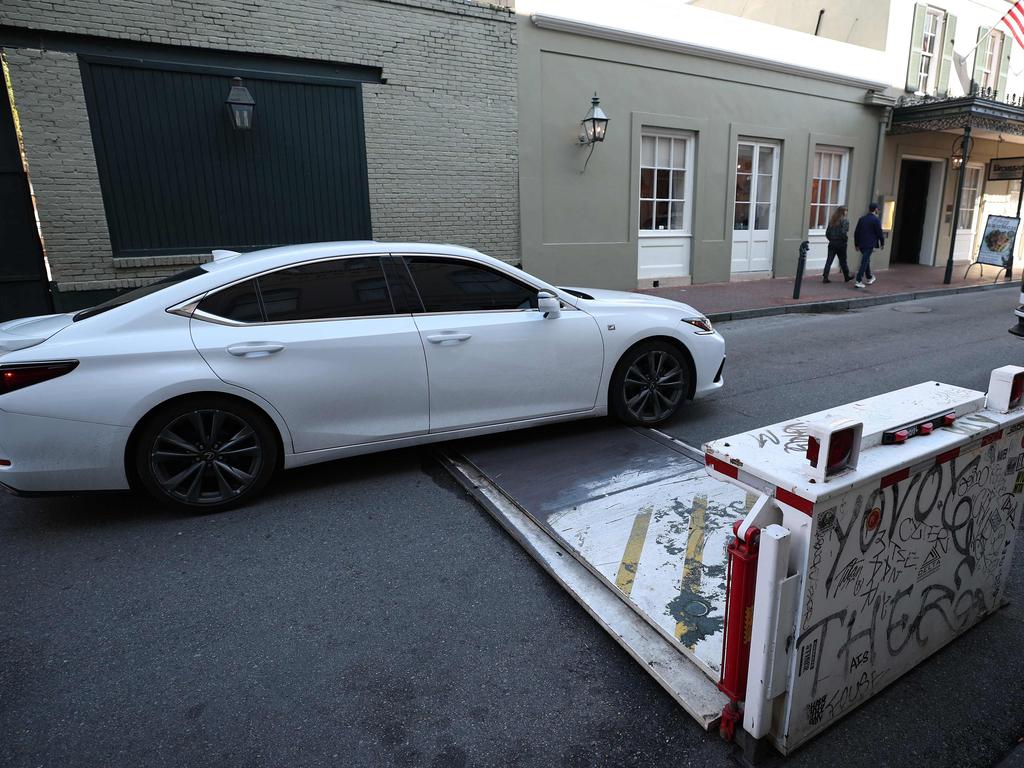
961, 152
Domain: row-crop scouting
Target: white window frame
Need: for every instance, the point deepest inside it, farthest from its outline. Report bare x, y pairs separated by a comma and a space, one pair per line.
828, 205
970, 199
687, 168
993, 58
931, 57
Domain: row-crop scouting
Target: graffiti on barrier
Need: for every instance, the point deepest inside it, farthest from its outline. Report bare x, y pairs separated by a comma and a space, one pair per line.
896, 572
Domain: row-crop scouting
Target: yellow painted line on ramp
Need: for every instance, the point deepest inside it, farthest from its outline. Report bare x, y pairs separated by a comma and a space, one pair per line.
634, 546
694, 558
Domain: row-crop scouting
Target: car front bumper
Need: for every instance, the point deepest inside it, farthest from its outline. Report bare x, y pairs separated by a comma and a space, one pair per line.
709, 362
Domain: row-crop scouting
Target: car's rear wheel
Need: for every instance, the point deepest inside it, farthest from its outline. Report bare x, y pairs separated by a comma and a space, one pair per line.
206, 455
649, 384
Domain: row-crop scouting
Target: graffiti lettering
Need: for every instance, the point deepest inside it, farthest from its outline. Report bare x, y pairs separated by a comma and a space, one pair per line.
895, 573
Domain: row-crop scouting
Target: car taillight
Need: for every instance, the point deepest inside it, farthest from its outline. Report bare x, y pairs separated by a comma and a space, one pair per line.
23, 375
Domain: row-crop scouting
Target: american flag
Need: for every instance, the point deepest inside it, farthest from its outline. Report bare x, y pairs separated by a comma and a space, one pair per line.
1014, 21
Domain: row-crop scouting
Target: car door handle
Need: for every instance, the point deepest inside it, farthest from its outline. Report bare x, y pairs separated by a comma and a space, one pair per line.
255, 349
448, 337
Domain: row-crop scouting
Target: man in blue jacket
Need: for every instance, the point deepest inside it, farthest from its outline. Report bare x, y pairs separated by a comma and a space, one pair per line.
866, 237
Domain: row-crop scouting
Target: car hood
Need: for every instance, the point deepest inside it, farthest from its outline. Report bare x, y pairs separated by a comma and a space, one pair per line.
29, 331
600, 296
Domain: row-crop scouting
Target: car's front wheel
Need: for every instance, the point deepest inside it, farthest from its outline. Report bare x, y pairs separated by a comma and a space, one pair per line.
205, 455
649, 384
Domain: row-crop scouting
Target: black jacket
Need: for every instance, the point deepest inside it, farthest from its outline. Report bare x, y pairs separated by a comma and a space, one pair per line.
839, 234
868, 233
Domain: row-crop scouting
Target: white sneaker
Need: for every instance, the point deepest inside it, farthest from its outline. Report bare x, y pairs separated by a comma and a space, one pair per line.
871, 280
858, 284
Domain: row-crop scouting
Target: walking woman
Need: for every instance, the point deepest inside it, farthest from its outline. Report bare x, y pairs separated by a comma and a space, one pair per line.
838, 232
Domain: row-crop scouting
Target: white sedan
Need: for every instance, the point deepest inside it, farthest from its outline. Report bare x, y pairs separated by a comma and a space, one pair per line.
199, 387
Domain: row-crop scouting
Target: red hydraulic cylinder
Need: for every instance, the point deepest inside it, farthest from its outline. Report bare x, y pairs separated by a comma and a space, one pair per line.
739, 614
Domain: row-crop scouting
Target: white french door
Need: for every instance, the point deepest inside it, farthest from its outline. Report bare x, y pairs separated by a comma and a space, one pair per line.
753, 233
968, 219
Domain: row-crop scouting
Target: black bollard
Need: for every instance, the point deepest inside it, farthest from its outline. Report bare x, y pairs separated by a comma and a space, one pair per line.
804, 247
1018, 329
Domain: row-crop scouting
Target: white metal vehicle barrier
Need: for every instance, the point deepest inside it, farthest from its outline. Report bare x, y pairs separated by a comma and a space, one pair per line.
884, 529
784, 575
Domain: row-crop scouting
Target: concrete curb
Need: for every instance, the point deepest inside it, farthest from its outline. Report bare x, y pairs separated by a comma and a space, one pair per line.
844, 305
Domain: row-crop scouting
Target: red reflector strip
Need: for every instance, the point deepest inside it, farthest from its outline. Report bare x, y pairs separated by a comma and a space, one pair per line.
797, 502
895, 477
5, 462
942, 458
992, 438
721, 466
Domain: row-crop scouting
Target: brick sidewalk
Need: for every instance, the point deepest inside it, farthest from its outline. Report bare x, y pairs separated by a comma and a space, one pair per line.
750, 298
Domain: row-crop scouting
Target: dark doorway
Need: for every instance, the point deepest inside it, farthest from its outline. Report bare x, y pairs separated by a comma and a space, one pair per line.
911, 209
23, 286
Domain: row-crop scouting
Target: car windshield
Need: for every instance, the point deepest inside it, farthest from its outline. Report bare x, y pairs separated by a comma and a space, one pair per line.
138, 293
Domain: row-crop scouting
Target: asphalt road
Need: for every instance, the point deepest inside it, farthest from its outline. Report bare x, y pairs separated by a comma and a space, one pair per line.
366, 612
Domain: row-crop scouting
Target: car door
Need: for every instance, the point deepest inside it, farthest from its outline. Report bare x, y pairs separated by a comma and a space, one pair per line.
492, 357
323, 344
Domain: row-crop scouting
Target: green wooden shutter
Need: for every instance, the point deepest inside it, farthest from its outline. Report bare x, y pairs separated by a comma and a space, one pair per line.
1004, 65
915, 47
946, 66
981, 54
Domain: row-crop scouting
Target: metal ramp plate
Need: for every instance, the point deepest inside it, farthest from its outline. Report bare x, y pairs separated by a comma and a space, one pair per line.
637, 511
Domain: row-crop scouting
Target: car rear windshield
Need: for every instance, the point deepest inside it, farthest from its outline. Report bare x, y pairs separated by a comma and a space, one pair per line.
138, 293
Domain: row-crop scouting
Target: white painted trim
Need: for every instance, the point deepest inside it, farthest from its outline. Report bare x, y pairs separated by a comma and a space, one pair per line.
689, 138
844, 174
755, 172
575, 27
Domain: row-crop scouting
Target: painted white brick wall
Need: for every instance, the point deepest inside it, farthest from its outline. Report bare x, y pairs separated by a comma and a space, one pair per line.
62, 164
441, 134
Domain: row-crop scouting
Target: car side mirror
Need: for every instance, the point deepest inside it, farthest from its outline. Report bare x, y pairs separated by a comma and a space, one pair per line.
549, 304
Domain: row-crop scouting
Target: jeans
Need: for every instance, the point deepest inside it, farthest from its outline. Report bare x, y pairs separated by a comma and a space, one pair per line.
834, 250
865, 265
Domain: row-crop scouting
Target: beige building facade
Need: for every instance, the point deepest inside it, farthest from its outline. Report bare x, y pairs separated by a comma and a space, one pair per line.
734, 132
864, 23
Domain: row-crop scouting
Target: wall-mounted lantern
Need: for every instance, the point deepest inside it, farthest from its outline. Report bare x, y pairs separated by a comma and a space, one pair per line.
961, 150
240, 105
595, 124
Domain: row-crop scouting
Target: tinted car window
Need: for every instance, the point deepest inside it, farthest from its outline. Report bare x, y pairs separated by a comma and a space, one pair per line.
326, 289
451, 285
138, 293
239, 302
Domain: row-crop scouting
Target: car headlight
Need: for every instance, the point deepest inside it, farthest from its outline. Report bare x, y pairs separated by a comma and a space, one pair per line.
702, 324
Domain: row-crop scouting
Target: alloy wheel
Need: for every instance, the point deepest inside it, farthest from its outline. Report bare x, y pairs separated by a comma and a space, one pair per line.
206, 457
653, 386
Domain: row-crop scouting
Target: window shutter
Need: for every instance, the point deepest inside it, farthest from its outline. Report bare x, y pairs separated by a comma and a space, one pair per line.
915, 47
1004, 65
949, 33
981, 54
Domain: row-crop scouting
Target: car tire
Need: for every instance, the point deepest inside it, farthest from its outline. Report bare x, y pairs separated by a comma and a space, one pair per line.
205, 455
650, 383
